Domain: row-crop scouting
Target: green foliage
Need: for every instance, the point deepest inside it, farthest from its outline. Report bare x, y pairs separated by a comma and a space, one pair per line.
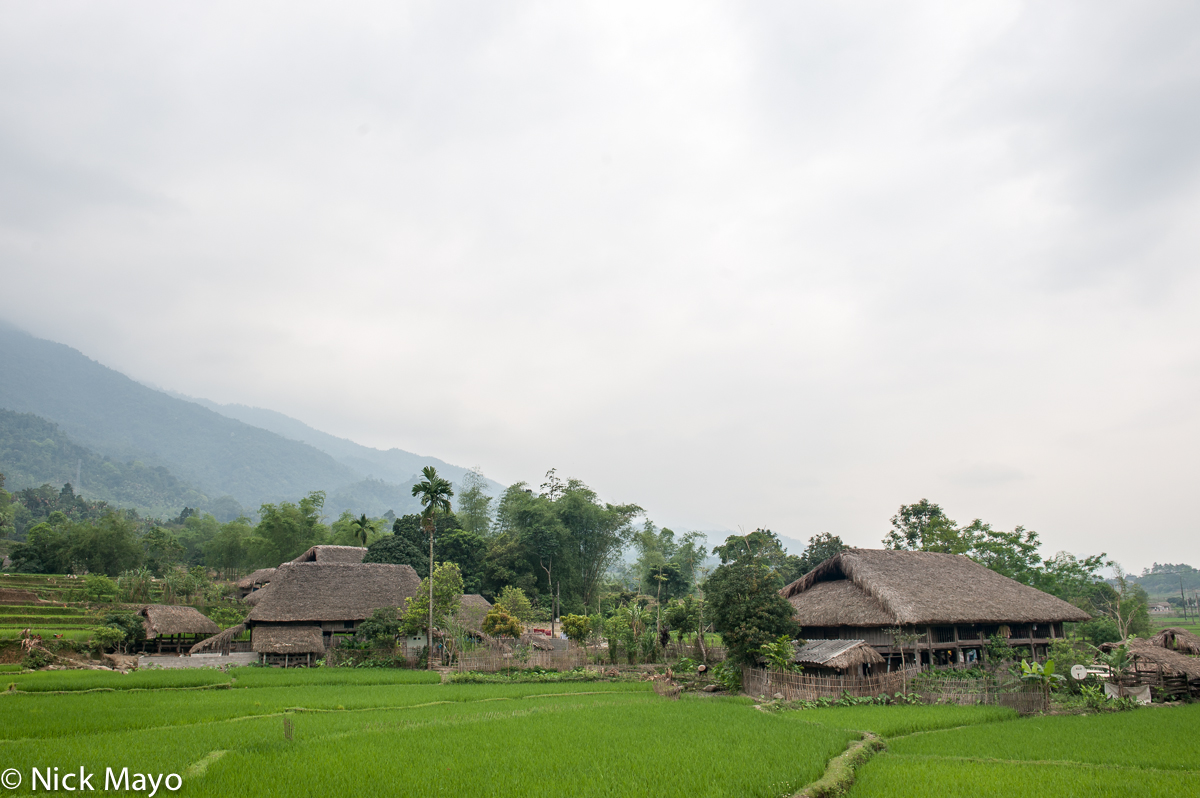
820, 548
728, 675
383, 627
780, 655
499, 623
226, 617
746, 606
512, 600
36, 659
997, 650
527, 676
130, 624
287, 530
1099, 631
99, 588
474, 508
108, 637
577, 627
447, 596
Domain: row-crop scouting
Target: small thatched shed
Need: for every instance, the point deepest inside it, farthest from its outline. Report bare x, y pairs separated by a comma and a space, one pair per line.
472, 610
1176, 639
175, 627
219, 643
254, 581
332, 554
288, 645
948, 604
333, 597
1172, 663
852, 657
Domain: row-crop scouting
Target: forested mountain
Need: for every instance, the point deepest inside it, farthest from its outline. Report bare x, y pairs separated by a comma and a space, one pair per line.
129, 425
34, 452
393, 465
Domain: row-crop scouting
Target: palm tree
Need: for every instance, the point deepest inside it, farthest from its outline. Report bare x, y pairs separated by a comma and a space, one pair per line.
434, 493
360, 527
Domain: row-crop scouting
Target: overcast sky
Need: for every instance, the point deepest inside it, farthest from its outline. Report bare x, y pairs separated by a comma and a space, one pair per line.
785, 265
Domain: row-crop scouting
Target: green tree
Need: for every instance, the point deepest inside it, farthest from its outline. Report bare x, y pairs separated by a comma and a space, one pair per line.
130, 623
362, 528
100, 588
287, 530
924, 526
435, 604
743, 598
499, 623
7, 512
820, 548
161, 550
434, 494
229, 550
474, 508
513, 601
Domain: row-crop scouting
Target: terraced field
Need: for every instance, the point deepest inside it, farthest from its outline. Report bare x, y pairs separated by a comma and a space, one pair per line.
48, 613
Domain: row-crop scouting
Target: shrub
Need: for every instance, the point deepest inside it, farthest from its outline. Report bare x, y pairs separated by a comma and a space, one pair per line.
99, 588
106, 637
499, 623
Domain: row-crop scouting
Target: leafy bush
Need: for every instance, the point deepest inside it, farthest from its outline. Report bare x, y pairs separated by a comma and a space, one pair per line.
499, 623
99, 588
728, 675
37, 658
106, 637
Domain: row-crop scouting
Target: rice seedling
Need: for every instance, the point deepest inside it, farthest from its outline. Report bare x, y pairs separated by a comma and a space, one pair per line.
53, 681
896, 720
276, 677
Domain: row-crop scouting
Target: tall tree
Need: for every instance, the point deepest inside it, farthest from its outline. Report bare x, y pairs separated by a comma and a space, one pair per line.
361, 528
744, 599
820, 548
924, 526
474, 505
434, 494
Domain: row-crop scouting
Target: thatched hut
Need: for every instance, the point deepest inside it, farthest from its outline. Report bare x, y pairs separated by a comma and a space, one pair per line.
939, 608
288, 645
333, 598
1176, 639
175, 627
254, 581
472, 610
838, 658
332, 554
221, 643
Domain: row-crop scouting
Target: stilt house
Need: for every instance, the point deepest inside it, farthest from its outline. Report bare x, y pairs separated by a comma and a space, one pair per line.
924, 606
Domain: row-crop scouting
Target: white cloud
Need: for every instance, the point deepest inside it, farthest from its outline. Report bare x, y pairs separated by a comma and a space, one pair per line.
778, 265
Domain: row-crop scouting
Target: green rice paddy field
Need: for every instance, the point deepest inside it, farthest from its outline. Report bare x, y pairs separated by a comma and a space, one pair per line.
268, 732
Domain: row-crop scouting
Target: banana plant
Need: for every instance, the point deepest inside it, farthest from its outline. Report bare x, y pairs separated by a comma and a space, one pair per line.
1041, 675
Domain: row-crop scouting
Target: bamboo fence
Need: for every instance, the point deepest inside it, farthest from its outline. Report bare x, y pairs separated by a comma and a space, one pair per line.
987, 690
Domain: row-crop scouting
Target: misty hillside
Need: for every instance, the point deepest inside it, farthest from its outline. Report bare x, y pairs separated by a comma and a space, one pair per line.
125, 422
393, 465
34, 452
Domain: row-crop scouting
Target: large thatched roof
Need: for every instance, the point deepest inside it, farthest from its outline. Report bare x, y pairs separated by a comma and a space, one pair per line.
324, 554
838, 654
287, 640
1177, 639
881, 587
162, 619
256, 579
219, 641
314, 591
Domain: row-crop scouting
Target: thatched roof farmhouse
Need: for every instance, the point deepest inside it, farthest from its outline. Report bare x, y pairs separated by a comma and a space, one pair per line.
949, 603
254, 581
330, 598
332, 554
175, 627
472, 610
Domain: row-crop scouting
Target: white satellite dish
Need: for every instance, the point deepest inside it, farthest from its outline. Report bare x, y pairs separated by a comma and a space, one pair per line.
1078, 673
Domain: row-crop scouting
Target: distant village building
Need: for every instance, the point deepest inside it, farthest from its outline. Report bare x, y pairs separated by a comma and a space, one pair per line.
945, 604
1161, 608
